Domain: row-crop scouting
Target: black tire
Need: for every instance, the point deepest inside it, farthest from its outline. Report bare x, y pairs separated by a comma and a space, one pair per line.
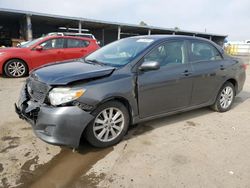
22, 68
91, 136
217, 106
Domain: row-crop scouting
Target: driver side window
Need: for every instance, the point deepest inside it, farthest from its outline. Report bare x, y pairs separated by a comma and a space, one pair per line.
168, 53
53, 44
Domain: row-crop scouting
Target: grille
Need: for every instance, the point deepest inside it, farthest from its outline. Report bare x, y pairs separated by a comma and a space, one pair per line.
37, 90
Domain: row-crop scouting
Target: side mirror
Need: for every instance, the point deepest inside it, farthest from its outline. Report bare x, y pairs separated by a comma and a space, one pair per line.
39, 48
149, 65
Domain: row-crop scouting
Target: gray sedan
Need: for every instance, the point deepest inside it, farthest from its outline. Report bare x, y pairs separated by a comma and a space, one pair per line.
127, 82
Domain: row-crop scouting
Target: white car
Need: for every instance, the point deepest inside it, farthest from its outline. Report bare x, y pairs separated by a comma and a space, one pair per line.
87, 35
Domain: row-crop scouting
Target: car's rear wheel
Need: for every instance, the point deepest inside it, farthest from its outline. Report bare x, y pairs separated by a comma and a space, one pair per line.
109, 125
15, 68
225, 98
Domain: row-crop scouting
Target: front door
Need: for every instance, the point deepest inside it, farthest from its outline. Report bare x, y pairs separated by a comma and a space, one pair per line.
169, 88
52, 51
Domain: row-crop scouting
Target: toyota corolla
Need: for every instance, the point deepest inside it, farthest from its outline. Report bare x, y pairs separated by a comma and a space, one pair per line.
127, 82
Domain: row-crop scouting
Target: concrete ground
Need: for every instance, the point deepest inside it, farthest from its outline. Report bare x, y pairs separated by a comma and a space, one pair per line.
200, 148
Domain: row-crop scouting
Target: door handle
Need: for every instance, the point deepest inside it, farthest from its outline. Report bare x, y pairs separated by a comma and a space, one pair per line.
186, 73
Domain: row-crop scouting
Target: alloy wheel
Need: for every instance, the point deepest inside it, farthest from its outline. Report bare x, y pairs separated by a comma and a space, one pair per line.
16, 69
108, 124
226, 97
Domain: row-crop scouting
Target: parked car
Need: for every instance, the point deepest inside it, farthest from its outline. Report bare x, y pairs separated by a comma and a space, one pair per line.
17, 62
127, 82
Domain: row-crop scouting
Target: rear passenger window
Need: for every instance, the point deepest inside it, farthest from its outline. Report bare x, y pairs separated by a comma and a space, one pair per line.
202, 51
168, 53
75, 43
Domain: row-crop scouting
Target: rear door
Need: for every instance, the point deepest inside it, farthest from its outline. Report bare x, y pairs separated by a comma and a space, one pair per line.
169, 88
208, 70
52, 51
76, 48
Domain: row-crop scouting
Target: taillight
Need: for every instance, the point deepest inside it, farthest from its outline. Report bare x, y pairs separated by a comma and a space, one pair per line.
244, 66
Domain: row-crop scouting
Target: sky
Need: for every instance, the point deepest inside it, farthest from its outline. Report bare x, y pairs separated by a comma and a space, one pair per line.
229, 17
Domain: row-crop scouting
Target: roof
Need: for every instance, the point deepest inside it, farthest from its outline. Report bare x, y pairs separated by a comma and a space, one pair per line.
164, 37
68, 37
3, 10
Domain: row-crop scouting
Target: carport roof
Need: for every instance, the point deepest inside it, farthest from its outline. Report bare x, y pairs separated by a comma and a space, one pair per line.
103, 24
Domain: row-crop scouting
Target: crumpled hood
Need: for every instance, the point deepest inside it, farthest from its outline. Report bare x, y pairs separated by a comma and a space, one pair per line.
66, 72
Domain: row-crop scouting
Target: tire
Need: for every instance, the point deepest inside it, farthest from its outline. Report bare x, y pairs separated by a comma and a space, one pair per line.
225, 98
104, 132
15, 68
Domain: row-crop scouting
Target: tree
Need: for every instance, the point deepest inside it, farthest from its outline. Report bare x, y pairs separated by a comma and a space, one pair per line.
176, 28
142, 23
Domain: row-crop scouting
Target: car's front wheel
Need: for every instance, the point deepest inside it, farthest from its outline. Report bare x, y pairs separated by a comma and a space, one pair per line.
15, 68
109, 125
225, 98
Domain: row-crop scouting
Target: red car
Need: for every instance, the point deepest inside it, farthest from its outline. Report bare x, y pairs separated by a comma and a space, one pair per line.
17, 62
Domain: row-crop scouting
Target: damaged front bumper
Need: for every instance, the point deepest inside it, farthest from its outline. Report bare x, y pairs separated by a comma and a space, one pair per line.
54, 125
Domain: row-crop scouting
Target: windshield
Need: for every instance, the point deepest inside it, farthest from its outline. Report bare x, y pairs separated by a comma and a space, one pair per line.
119, 53
30, 43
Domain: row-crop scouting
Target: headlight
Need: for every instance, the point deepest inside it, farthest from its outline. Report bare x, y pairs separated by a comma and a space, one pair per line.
59, 96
